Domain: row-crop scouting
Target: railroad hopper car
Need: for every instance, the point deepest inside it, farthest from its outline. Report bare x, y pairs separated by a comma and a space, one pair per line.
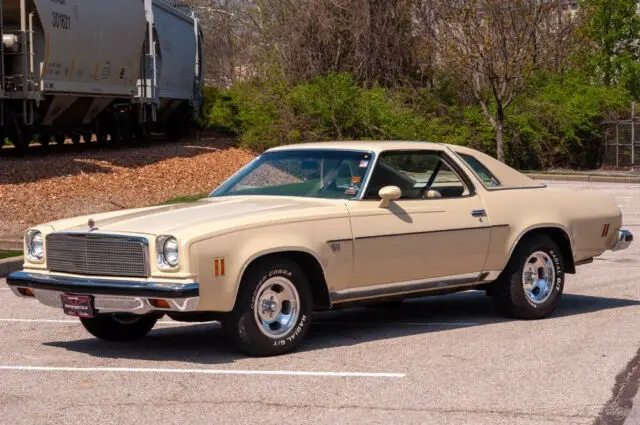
116, 69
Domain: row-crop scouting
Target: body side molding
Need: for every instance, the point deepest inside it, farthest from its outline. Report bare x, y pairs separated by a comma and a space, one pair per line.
423, 285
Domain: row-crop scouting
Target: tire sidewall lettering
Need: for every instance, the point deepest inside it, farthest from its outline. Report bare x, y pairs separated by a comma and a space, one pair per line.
558, 269
289, 339
302, 320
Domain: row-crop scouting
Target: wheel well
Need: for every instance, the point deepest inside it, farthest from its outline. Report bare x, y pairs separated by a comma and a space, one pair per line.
311, 268
561, 239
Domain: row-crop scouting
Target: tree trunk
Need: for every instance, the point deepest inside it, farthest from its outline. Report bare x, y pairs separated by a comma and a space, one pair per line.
499, 140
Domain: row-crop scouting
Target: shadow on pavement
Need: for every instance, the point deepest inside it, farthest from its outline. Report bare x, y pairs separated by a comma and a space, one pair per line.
204, 343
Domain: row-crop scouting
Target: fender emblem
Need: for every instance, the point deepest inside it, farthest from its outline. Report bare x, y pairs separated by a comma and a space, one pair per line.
92, 225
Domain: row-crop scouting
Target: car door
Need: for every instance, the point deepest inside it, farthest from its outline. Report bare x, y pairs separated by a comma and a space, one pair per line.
436, 232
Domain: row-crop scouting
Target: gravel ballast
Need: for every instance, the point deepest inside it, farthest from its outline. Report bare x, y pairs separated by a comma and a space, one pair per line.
45, 186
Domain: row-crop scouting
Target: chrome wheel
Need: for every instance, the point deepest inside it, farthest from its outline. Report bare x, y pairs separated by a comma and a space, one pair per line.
276, 307
538, 277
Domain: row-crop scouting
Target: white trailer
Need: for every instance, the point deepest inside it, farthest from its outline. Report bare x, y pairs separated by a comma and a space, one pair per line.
116, 68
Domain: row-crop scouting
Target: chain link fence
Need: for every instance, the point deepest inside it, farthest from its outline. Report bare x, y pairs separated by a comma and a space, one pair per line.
622, 142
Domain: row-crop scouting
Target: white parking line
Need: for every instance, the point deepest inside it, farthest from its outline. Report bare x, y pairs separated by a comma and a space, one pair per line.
205, 371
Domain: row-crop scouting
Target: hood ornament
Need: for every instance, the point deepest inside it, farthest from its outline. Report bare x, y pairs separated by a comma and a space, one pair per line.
92, 225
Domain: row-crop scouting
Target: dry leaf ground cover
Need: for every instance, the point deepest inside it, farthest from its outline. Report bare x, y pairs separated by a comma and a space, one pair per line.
85, 179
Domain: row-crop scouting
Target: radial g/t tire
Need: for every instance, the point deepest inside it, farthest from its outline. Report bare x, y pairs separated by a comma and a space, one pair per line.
520, 291
251, 329
119, 327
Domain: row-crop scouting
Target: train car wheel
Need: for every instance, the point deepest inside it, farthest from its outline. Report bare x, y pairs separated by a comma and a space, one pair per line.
19, 135
87, 136
44, 139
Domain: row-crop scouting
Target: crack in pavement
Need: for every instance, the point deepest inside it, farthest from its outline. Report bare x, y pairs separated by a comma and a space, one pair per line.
617, 409
555, 416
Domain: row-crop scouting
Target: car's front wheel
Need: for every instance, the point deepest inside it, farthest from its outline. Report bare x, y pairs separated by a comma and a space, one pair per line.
531, 285
119, 326
273, 309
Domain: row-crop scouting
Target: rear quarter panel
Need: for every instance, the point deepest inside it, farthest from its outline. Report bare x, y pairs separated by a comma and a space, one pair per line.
581, 214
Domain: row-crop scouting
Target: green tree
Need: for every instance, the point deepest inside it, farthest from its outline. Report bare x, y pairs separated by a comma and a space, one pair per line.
613, 28
492, 47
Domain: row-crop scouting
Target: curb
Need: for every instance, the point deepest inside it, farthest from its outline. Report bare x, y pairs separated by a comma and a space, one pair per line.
10, 265
585, 178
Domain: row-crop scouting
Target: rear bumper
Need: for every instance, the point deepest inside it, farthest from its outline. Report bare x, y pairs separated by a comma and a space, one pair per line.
109, 295
623, 240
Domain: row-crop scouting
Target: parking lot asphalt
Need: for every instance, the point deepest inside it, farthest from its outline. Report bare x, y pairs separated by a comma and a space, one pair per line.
442, 360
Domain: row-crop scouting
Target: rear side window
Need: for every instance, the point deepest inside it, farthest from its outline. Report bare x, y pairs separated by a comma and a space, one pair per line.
483, 173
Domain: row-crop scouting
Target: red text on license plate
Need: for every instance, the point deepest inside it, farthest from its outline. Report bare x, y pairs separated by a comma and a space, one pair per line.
77, 305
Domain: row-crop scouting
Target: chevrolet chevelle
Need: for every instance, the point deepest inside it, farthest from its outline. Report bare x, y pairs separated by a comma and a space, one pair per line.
319, 226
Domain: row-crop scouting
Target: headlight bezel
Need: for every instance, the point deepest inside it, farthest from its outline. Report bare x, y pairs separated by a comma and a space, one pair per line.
164, 261
31, 254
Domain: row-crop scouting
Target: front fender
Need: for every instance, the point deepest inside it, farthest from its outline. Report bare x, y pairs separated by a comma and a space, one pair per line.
218, 292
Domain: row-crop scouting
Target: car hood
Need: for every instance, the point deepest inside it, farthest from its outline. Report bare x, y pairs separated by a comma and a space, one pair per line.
206, 216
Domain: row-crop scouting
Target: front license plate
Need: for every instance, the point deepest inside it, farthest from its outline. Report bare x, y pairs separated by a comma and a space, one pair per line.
77, 305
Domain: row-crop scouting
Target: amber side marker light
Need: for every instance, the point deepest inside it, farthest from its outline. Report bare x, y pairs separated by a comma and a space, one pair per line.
27, 292
159, 303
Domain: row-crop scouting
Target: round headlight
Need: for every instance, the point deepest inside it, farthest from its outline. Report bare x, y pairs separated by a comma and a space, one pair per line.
35, 245
170, 252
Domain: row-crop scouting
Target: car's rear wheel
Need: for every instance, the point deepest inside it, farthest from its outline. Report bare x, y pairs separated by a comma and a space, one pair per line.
273, 309
531, 285
119, 326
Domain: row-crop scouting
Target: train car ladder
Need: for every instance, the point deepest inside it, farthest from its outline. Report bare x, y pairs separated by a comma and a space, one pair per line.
148, 90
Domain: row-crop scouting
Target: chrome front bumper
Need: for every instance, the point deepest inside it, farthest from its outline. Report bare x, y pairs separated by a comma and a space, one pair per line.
109, 296
623, 241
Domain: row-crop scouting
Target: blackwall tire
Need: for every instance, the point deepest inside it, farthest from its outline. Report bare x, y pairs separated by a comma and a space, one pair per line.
531, 285
272, 313
119, 327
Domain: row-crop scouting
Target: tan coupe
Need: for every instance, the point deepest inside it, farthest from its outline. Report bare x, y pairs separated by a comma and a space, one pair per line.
319, 226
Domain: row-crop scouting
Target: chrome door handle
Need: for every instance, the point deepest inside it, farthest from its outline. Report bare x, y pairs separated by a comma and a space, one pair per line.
479, 213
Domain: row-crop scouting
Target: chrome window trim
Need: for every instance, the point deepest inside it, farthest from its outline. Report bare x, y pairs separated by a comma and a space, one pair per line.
490, 188
444, 157
367, 175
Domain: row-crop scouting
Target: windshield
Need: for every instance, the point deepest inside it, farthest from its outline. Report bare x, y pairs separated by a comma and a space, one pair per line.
336, 174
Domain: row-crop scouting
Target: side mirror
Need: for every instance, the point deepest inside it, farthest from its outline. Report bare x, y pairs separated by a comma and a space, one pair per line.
388, 194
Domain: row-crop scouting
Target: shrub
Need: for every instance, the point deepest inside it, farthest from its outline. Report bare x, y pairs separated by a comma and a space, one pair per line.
558, 122
555, 123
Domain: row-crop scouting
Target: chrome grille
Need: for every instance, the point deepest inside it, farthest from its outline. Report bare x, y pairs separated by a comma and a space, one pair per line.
95, 254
